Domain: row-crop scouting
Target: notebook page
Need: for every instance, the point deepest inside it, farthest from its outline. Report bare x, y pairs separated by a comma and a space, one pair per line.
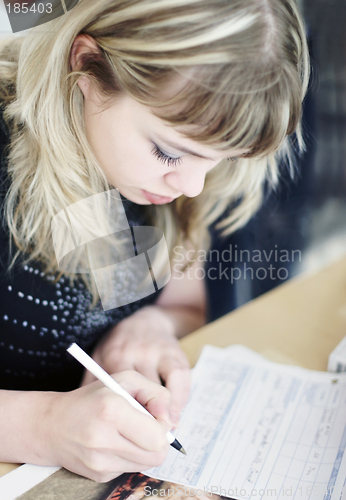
255, 429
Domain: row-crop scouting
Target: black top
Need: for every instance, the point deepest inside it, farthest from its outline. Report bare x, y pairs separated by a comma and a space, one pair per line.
39, 318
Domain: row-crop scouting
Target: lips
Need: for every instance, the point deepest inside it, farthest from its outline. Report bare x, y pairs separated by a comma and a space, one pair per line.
156, 199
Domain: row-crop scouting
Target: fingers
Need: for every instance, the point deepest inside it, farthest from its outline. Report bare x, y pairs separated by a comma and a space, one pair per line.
153, 396
147, 433
173, 367
121, 361
104, 465
129, 451
177, 377
179, 384
153, 357
99, 434
144, 361
148, 370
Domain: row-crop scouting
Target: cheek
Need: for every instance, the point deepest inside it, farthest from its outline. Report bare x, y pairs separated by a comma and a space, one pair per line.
123, 153
135, 158
136, 164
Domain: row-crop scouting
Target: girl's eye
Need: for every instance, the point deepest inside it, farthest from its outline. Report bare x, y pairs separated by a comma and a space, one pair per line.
164, 158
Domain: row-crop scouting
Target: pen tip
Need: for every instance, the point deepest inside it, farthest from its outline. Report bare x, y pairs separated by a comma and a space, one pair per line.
178, 447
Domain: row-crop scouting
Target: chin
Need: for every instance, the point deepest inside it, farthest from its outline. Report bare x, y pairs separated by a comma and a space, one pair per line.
135, 198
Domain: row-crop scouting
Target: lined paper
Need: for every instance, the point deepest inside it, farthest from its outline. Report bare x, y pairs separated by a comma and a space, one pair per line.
255, 429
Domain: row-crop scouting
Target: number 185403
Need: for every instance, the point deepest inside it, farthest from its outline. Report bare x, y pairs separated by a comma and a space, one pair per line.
24, 8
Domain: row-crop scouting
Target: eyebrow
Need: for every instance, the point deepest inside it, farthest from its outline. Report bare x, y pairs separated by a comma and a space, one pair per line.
183, 149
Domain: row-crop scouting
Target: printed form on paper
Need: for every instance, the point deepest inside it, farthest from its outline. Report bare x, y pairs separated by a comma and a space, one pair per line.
254, 429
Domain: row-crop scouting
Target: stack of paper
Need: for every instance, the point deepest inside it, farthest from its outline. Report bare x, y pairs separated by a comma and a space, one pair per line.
337, 358
254, 429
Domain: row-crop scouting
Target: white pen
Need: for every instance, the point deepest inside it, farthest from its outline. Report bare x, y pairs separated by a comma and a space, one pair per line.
91, 365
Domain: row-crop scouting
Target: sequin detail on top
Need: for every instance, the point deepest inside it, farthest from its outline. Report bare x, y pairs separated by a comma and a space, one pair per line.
45, 316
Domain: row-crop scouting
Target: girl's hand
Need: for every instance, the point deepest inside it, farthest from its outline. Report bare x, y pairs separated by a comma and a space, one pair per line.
98, 434
146, 342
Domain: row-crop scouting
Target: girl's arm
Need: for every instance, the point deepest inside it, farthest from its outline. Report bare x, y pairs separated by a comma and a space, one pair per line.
147, 341
184, 299
90, 431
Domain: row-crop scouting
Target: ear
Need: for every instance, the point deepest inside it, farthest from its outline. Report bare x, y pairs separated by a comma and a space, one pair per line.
83, 45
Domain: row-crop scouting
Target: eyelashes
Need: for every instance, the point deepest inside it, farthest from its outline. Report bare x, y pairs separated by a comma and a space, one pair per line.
170, 161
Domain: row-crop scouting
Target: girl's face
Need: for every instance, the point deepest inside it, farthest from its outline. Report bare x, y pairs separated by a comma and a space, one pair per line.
145, 158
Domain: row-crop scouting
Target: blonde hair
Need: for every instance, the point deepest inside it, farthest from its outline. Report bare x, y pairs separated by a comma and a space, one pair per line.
246, 67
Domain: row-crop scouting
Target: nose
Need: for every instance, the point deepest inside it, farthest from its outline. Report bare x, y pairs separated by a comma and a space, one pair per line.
188, 182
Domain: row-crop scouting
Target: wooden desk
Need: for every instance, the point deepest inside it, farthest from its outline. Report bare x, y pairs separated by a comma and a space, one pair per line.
299, 323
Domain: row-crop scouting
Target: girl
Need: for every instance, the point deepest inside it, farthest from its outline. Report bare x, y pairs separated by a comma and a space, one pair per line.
184, 106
